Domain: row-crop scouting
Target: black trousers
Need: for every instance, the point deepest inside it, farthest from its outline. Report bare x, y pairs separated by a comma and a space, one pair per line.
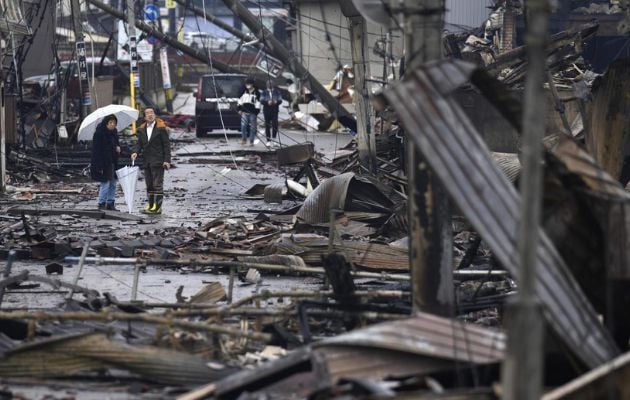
271, 121
154, 176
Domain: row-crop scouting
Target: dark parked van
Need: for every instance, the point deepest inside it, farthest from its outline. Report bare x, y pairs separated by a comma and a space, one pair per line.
217, 97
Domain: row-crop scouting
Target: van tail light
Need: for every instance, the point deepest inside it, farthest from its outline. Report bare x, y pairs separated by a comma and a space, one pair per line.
199, 98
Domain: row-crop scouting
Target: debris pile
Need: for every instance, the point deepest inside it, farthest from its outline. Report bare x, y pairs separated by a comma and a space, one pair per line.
342, 324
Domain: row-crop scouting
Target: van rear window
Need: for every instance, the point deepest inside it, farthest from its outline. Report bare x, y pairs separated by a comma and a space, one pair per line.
225, 87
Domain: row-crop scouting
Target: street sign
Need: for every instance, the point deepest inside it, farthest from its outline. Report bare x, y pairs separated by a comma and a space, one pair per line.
269, 65
171, 4
166, 75
151, 12
133, 53
83, 74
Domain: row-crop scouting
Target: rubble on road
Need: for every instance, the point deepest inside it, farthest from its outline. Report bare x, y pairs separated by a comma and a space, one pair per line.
297, 285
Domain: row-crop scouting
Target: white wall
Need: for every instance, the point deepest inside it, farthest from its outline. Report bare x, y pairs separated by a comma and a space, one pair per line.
317, 56
467, 13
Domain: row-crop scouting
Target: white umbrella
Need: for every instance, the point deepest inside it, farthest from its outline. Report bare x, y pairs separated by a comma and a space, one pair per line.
128, 177
124, 114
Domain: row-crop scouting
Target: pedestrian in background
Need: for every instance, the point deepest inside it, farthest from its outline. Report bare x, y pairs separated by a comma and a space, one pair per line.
155, 146
104, 162
271, 100
295, 96
248, 109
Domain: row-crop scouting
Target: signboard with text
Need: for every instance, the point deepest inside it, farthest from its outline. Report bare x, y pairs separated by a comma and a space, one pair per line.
133, 50
166, 75
269, 65
86, 98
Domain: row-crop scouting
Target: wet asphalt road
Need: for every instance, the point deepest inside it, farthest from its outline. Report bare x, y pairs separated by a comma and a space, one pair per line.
196, 192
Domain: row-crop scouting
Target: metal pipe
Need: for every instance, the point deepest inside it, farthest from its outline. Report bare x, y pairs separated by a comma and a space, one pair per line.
270, 267
136, 278
86, 246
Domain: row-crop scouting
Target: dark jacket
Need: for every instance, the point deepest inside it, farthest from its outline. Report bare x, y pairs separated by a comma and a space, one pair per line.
249, 102
157, 150
273, 95
104, 155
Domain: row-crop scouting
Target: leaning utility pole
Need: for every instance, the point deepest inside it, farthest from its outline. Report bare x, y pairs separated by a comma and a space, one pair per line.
282, 53
430, 234
245, 37
522, 368
86, 98
200, 55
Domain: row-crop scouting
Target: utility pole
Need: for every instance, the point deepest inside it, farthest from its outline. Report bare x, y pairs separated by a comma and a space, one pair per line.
134, 75
171, 6
3, 133
86, 98
430, 233
522, 368
361, 67
199, 54
278, 50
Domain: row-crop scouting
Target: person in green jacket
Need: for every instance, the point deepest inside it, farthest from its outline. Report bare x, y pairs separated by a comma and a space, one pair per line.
154, 145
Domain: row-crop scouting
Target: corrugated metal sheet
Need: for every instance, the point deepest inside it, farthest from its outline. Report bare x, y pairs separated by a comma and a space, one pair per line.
509, 164
12, 20
468, 13
345, 192
75, 353
331, 194
444, 134
427, 335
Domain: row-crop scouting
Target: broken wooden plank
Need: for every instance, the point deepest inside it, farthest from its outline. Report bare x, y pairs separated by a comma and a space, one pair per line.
96, 214
608, 381
49, 191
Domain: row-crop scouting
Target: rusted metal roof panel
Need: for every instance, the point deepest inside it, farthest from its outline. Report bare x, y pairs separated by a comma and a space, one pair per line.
451, 144
428, 335
359, 362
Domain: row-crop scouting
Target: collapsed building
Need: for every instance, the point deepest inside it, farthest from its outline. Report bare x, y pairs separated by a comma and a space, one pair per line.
356, 334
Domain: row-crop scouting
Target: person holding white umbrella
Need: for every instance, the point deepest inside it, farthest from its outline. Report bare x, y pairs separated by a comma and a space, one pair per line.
105, 152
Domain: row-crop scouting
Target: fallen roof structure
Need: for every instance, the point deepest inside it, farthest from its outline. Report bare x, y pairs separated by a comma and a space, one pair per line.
443, 133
